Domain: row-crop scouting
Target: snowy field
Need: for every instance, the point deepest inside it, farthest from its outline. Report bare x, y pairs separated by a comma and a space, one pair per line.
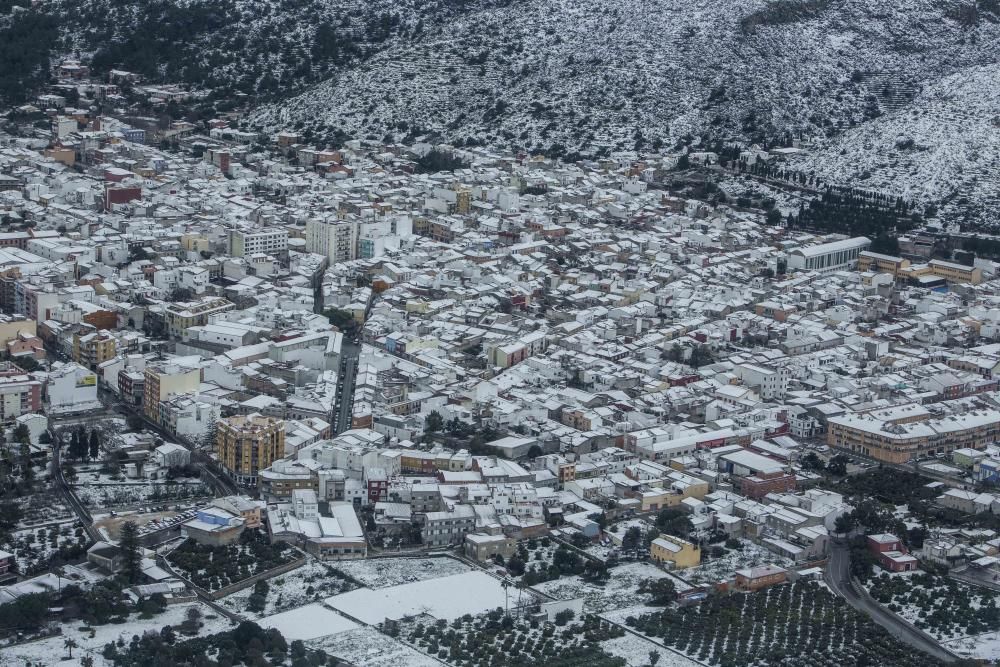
367, 647
384, 572
619, 591
312, 582
636, 652
980, 647
50, 651
309, 622
443, 598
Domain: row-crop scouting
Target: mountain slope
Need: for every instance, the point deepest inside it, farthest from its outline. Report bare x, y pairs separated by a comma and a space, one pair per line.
944, 147
542, 73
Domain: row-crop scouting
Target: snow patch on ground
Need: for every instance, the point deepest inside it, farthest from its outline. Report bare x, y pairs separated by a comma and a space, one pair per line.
636, 651
367, 647
447, 597
309, 622
49, 651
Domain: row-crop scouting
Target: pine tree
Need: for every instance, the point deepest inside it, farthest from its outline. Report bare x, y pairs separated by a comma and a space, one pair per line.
75, 445
95, 444
131, 558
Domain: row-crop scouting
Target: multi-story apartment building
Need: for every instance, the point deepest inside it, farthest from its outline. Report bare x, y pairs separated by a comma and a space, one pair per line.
243, 243
335, 239
19, 395
94, 348
179, 316
888, 438
443, 529
248, 444
161, 381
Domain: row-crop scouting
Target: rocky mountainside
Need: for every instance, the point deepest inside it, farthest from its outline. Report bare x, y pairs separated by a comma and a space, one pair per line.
566, 76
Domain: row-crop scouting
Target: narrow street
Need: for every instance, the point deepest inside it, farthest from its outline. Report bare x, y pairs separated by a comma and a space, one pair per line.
838, 578
67, 493
345, 390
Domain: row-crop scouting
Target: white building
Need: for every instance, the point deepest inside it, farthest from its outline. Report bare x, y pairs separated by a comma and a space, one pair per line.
337, 240
72, 388
267, 241
829, 257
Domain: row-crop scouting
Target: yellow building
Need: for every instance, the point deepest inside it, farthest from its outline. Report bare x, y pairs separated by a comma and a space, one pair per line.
167, 380
10, 327
248, 444
179, 316
883, 438
670, 549
956, 273
953, 273
873, 261
676, 487
93, 349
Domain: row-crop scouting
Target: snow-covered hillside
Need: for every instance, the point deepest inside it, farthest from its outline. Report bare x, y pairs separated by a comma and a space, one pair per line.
944, 146
540, 73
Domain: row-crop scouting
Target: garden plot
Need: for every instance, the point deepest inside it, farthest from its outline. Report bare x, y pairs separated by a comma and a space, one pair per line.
42, 508
794, 625
367, 647
49, 651
493, 640
719, 569
636, 650
214, 568
385, 572
937, 604
312, 582
118, 494
619, 591
33, 547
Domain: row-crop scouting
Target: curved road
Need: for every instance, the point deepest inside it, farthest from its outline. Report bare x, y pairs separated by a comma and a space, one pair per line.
838, 578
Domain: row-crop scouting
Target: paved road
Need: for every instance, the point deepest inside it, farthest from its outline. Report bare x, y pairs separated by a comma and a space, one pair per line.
838, 578
67, 493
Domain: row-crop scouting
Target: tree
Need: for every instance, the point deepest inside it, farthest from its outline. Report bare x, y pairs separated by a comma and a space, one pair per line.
837, 465
180, 294
22, 434
885, 244
86, 661
773, 217
134, 422
95, 443
812, 462
674, 522
69, 644
131, 557
654, 657
631, 538
844, 523
662, 591
433, 423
